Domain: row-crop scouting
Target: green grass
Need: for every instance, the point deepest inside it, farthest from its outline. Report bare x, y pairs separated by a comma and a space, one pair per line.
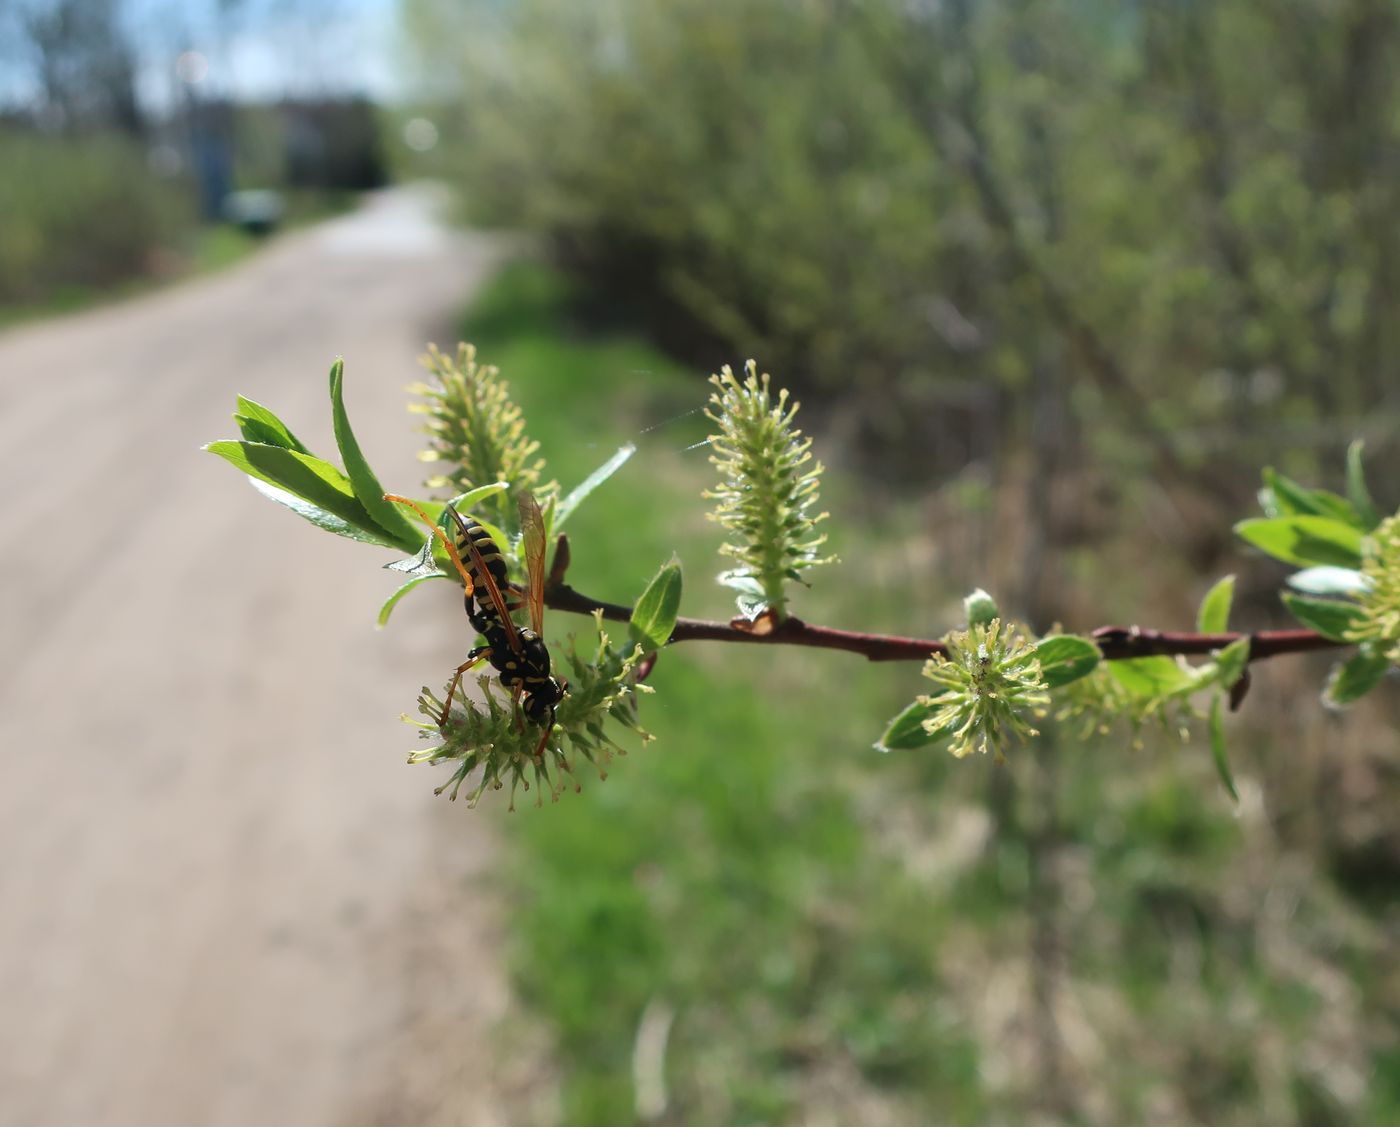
825, 933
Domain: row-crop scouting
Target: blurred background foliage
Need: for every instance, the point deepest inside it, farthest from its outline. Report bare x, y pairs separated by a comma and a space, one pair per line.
119, 154
1054, 281
932, 203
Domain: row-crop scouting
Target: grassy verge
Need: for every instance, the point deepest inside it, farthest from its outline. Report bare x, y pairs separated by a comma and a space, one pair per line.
720, 874
833, 932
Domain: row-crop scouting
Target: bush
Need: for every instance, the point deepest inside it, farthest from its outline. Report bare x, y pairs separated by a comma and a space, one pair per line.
79, 214
921, 207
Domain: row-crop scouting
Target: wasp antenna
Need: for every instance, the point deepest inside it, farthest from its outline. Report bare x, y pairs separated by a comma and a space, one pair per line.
438, 532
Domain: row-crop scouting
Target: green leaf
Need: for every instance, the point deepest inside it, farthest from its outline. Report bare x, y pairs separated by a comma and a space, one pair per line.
1338, 581
258, 424
1328, 617
464, 502
318, 516
1214, 615
437, 510
362, 479
393, 600
1157, 676
1231, 662
1355, 677
1065, 658
654, 616
1305, 540
906, 731
422, 565
740, 580
590, 483
311, 479
1292, 499
980, 608
1217, 747
1357, 492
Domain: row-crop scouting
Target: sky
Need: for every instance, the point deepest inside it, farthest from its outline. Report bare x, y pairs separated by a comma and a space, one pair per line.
252, 48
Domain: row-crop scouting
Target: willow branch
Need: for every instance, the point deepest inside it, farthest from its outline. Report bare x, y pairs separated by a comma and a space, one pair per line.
1116, 643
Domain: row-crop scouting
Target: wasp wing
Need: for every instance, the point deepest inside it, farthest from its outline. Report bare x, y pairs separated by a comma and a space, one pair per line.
483, 578
532, 534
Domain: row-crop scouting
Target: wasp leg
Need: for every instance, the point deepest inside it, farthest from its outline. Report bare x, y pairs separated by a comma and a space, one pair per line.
544, 739
476, 657
516, 690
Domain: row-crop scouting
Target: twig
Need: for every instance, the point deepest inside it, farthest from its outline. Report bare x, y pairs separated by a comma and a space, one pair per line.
1116, 643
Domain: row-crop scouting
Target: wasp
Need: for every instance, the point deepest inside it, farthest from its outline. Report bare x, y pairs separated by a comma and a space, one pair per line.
517, 653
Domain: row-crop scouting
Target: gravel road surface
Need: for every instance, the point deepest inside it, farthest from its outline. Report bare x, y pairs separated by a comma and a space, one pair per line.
224, 898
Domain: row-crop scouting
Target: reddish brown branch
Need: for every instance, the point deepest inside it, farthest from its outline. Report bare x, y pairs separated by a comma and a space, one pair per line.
1116, 642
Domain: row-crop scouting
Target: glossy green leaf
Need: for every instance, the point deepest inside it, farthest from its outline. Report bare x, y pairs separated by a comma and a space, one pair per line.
432, 548
1214, 615
1355, 677
1065, 658
1357, 492
1335, 581
311, 479
1157, 676
424, 564
1305, 540
577, 496
906, 731
258, 424
1328, 617
318, 516
740, 580
654, 616
1293, 499
1217, 747
362, 479
393, 600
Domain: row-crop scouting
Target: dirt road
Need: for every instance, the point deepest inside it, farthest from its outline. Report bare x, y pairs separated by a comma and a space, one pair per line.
224, 898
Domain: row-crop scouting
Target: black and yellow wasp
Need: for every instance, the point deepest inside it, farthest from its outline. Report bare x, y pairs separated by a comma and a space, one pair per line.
517, 653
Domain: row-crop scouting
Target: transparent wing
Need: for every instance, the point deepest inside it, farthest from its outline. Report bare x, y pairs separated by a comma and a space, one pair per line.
532, 533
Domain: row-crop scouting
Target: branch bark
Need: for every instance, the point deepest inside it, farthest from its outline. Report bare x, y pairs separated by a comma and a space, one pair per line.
1116, 643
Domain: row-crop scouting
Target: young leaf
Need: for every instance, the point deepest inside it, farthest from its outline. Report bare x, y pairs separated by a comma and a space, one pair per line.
422, 565
590, 483
1357, 492
1065, 658
1355, 677
1214, 615
318, 516
432, 555
1334, 581
1217, 747
907, 732
366, 486
1305, 540
311, 479
1328, 617
1231, 662
1158, 676
1296, 500
654, 616
258, 424
393, 600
